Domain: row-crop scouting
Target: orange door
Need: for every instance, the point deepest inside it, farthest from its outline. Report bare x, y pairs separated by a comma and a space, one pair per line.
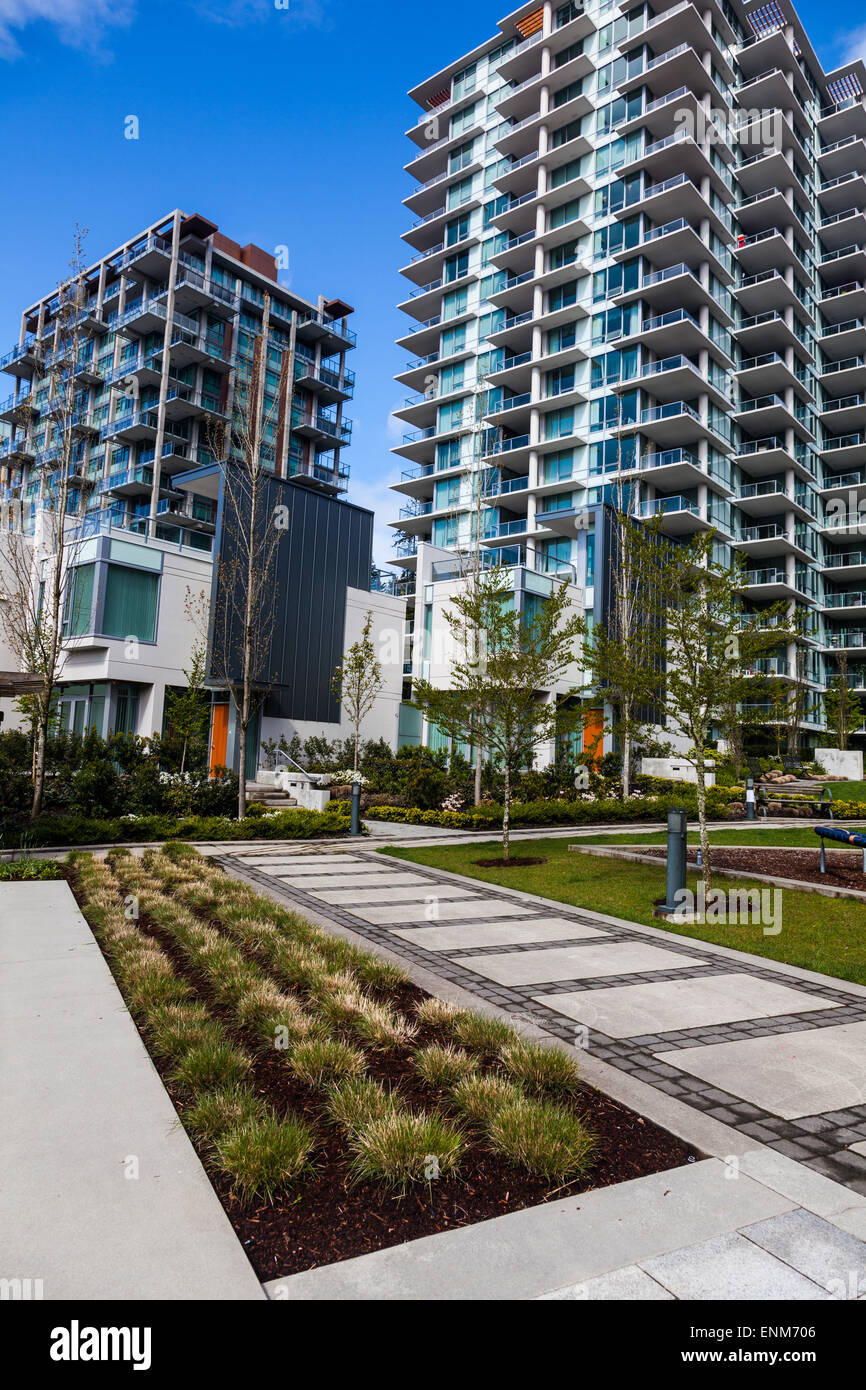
219, 736
593, 734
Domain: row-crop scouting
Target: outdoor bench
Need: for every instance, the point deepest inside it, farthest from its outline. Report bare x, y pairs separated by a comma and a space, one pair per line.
821, 803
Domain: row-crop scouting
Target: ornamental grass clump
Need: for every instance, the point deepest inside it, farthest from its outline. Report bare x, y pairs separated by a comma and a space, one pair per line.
442, 1067
401, 1150
322, 1061
210, 1064
541, 1137
436, 1013
213, 1113
482, 1033
539, 1068
264, 1156
356, 1103
480, 1098
173, 1029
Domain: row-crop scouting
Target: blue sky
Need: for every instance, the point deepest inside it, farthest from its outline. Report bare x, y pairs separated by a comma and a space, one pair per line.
244, 109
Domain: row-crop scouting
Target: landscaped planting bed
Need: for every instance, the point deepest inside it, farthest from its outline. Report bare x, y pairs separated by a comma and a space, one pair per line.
337, 1108
844, 867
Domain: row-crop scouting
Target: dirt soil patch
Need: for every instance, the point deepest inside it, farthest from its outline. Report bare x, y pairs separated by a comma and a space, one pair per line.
844, 867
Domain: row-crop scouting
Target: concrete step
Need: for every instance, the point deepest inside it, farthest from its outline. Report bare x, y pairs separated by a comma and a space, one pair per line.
269, 796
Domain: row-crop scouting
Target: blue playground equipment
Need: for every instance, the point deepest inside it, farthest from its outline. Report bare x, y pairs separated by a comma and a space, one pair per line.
846, 837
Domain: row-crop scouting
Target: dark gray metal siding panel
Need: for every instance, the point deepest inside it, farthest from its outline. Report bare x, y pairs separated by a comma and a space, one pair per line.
326, 550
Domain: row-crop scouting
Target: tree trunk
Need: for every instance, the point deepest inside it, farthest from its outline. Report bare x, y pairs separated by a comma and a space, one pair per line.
242, 770
478, 770
626, 751
506, 814
702, 822
39, 751
357, 742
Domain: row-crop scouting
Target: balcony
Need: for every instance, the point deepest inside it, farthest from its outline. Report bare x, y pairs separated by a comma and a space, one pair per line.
681, 516
319, 427
317, 328
21, 359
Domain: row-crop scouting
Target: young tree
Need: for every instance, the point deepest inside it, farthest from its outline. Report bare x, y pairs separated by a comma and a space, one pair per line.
246, 590
842, 706
521, 658
714, 651
357, 682
44, 608
188, 711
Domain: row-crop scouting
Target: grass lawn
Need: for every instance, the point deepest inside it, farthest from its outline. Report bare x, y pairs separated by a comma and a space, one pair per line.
801, 838
818, 933
848, 791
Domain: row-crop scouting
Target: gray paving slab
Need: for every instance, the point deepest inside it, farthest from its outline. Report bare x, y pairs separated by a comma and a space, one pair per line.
383, 897
730, 1267
789, 1074
528, 1253
82, 1105
471, 908
834, 1259
575, 962
803, 1185
628, 1011
315, 863
629, 1283
496, 934
858, 1148
361, 885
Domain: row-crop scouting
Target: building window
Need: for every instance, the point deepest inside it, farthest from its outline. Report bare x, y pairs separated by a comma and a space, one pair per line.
130, 603
79, 601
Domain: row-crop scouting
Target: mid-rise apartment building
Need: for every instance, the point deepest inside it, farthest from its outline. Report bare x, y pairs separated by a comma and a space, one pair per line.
160, 347
638, 270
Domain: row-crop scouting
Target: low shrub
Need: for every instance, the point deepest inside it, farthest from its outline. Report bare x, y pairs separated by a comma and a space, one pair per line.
292, 824
28, 870
542, 813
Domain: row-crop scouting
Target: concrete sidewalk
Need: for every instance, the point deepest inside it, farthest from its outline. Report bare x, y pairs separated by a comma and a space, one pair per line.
101, 1193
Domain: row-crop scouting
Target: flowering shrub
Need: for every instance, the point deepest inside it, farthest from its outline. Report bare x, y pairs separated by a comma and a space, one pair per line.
454, 802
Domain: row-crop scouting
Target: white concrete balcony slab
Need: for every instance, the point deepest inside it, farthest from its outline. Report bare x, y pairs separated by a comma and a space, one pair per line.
841, 155
845, 228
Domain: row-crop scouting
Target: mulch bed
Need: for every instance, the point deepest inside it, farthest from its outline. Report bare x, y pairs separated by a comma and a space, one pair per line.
843, 866
328, 1218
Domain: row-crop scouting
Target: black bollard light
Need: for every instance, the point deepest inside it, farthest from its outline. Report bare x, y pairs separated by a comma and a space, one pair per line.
676, 863
356, 808
750, 798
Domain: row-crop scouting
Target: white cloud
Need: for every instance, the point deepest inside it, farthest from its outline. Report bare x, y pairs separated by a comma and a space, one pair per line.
306, 13
79, 23
846, 47
854, 45
376, 495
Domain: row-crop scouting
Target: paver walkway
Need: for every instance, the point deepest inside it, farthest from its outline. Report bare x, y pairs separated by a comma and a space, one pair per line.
776, 1053
102, 1195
